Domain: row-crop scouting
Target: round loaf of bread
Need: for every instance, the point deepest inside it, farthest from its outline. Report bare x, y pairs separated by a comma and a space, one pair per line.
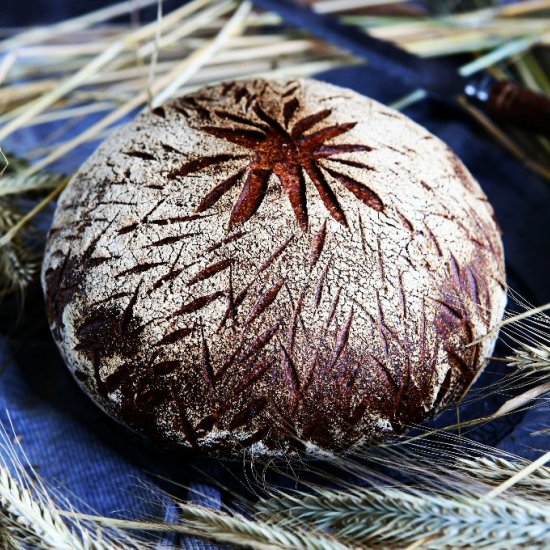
273, 266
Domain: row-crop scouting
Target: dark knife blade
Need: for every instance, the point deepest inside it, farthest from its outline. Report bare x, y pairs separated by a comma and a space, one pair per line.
503, 99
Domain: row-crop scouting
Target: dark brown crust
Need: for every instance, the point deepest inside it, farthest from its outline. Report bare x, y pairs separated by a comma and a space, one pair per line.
304, 361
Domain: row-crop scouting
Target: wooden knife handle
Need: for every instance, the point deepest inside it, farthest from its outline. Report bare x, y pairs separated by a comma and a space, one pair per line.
520, 106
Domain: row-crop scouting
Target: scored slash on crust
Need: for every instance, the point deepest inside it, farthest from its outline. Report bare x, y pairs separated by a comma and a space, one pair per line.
289, 154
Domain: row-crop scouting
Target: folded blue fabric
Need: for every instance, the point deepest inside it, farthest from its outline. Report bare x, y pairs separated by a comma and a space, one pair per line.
89, 457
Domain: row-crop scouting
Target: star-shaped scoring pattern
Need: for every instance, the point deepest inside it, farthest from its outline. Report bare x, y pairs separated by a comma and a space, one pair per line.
289, 154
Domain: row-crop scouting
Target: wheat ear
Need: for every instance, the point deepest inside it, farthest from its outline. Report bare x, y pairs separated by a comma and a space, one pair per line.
32, 521
496, 470
399, 517
236, 529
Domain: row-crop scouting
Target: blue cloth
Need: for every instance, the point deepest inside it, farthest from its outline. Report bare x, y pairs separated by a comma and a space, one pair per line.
78, 449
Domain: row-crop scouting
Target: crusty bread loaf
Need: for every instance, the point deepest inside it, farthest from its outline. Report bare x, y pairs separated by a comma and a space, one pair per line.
273, 265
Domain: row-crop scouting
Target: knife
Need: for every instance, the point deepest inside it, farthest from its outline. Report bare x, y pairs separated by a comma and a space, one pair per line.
503, 99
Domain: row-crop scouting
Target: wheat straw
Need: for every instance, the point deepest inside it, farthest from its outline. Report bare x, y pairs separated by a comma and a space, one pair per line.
522, 7
213, 75
154, 55
222, 63
514, 47
83, 75
200, 56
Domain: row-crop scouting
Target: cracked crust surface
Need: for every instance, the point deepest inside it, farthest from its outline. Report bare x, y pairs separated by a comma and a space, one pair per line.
271, 265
